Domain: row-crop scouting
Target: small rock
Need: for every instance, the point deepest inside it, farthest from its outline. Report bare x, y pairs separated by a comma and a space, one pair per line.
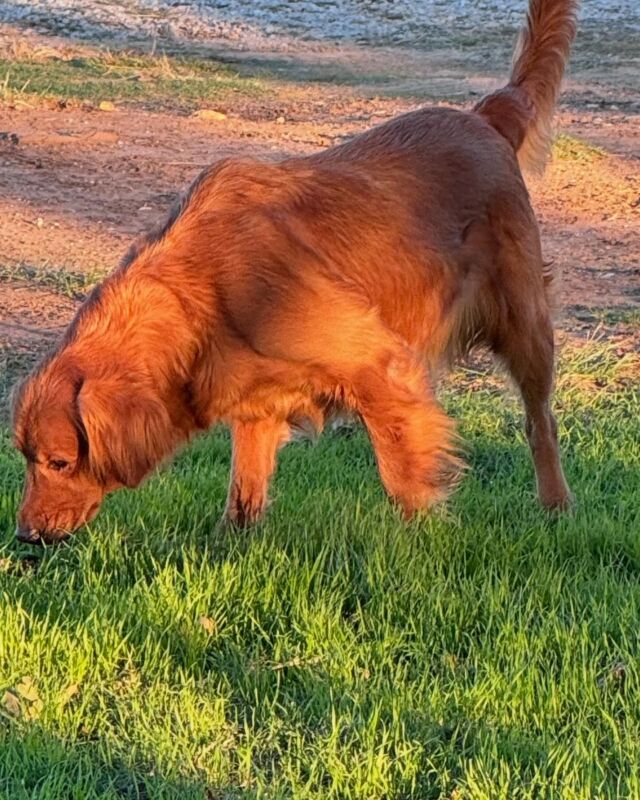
280, 120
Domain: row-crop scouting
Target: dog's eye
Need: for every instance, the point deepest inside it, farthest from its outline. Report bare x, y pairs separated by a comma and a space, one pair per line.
58, 464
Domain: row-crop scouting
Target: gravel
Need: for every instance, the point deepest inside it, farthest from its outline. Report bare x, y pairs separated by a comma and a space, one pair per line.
256, 24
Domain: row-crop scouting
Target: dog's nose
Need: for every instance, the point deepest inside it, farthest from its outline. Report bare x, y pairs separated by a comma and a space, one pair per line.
27, 535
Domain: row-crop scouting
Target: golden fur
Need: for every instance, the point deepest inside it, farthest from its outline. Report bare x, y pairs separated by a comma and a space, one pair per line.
277, 293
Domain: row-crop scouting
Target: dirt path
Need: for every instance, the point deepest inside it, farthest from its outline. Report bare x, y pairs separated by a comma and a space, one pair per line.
77, 184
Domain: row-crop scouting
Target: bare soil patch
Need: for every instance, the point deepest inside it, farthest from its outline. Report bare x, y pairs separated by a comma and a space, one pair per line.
77, 184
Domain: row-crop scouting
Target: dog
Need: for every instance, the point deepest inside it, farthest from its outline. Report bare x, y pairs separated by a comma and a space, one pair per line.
276, 294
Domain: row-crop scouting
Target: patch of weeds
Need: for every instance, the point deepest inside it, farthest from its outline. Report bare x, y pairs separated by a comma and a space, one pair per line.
594, 366
614, 317
75, 285
179, 83
628, 315
568, 148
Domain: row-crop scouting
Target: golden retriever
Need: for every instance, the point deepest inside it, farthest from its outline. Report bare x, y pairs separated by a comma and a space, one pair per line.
277, 293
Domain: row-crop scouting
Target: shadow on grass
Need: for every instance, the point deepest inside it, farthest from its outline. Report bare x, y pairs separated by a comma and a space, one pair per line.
39, 766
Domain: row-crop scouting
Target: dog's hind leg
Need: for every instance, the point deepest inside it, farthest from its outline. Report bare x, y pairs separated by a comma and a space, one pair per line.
254, 447
529, 358
524, 343
412, 437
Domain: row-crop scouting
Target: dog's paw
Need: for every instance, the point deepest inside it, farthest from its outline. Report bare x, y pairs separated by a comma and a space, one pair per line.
241, 516
561, 502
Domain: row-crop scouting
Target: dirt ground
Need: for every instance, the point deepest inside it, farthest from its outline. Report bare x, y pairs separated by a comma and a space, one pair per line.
77, 184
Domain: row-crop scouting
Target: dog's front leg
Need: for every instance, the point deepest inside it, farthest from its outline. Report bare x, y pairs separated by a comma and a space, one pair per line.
254, 449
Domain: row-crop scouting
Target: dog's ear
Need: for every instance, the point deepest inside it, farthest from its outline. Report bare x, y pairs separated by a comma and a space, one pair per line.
128, 429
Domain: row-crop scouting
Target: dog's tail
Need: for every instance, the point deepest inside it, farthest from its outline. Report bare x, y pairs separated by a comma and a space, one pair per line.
523, 110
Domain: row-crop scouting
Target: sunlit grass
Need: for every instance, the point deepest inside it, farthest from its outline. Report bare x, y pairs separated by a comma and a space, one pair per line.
487, 651
569, 148
177, 83
66, 282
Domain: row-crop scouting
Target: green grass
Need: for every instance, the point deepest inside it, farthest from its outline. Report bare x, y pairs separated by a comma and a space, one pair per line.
620, 317
178, 83
68, 283
487, 651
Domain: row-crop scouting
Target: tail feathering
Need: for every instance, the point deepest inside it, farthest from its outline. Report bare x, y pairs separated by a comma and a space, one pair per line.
523, 110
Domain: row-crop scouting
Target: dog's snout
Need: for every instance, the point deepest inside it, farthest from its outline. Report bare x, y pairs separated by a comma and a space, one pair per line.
28, 535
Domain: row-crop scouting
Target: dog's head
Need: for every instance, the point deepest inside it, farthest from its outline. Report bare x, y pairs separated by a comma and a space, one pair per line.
82, 435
